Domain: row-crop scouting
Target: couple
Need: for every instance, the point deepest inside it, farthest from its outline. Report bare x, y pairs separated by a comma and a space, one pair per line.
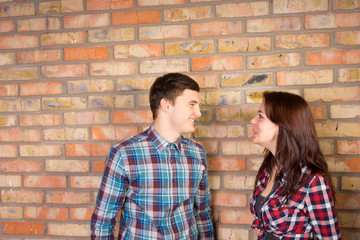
158, 178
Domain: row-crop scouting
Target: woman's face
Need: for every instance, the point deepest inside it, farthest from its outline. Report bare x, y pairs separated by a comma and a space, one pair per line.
265, 132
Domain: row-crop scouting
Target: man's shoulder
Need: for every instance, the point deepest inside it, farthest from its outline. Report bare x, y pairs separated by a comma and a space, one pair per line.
131, 141
192, 143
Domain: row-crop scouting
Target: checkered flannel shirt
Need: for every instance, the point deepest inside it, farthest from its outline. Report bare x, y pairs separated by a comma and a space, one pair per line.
160, 187
309, 212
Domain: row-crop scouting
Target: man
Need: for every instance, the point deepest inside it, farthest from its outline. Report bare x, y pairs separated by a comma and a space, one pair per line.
158, 178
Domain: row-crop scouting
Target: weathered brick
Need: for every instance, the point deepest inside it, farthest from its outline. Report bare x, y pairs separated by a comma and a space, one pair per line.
12, 181
112, 68
206, 80
164, 66
39, 56
99, 166
232, 233
22, 196
217, 63
60, 6
238, 114
345, 111
7, 26
40, 150
10, 105
66, 38
216, 28
344, 4
332, 94
143, 3
40, 120
349, 75
111, 35
38, 24
237, 44
350, 183
44, 181
63, 71
8, 90
211, 147
134, 83
17, 10
87, 149
7, 59
108, 4
294, 6
18, 41
21, 166
19, 135
339, 20
273, 24
124, 101
81, 213
69, 229
95, 85
46, 213
276, 60
239, 182
186, 14
19, 73
80, 118
221, 98
143, 100
219, 131
8, 151
343, 164
302, 41
139, 50
245, 79
47, 88
135, 17
241, 148
31, 104
305, 77
333, 56
337, 129
236, 217
113, 132
11, 212
68, 134
137, 116
54, 165
214, 182
348, 37
226, 164
86, 182
86, 53
318, 112
62, 197
224, 199
189, 47
349, 220
87, 20
348, 146
347, 201
8, 121
163, 32
23, 228
327, 146
63, 103
242, 9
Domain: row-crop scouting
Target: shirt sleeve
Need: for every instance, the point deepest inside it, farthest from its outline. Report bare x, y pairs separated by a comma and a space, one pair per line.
202, 208
320, 207
110, 198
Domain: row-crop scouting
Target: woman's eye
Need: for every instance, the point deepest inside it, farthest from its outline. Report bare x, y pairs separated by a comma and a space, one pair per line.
260, 116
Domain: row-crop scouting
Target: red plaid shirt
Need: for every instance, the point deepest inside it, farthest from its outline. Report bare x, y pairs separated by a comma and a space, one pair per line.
309, 211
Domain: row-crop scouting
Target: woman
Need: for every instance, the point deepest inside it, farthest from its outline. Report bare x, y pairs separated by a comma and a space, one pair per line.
293, 196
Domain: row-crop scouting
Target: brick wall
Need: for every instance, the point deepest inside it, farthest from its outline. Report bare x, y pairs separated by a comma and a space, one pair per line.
75, 75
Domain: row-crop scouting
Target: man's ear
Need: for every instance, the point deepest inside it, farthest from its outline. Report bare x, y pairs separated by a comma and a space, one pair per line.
165, 105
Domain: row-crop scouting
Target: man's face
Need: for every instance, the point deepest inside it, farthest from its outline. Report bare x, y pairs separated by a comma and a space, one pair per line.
184, 111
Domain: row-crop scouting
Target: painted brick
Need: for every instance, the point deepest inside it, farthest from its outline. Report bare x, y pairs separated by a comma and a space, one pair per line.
81, 118
68, 134
139, 50
23, 228
305, 77
348, 147
219, 131
302, 41
19, 135
232, 233
242, 9
61, 6
11, 212
221, 98
339, 20
349, 75
54, 165
245, 79
40, 150
224, 199
273, 24
333, 56
135, 83
217, 63
226, 164
87, 149
333, 94
19, 73
44, 181
8, 151
87, 20
137, 116
7, 26
236, 44
344, 4
20, 166
95, 85
86, 53
164, 66
12, 181
163, 32
143, 3
69, 229
63, 71
63, 103
81, 213
8, 121
189, 47
61, 197
39, 56
8, 90
108, 4
18, 41
66, 38
113, 132
46, 213
112, 68
22, 196
47, 88
135, 17
216, 28
345, 111
276, 60
111, 35
40, 120
241, 148
294, 6
17, 10
242, 114
337, 129
186, 14
348, 37
86, 182
7, 58
236, 217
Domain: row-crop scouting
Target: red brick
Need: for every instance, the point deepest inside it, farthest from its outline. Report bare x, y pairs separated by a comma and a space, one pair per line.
113, 133
46, 213
18, 41
348, 147
272, 61
88, 149
39, 56
226, 164
6, 26
273, 24
81, 213
61, 71
340, 20
99, 166
85, 182
21, 166
86, 53
21, 196
32, 24
163, 32
61, 197
216, 28
44, 181
137, 116
225, 199
186, 14
112, 68
40, 120
109, 4
333, 57
136, 17
302, 41
344, 4
217, 63
19, 135
40, 150
67, 38
139, 50
47, 88
8, 90
23, 228
8, 151
236, 217
348, 37
87, 20
143, 3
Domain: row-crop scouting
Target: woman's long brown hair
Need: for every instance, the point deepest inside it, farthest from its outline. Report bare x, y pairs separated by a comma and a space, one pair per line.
297, 142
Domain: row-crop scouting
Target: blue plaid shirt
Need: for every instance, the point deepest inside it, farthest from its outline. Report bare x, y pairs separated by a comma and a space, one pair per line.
160, 187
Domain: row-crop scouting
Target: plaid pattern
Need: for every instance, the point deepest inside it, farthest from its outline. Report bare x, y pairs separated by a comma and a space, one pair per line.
309, 212
161, 189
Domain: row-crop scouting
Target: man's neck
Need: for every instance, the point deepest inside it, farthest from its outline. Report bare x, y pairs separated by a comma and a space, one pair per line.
165, 130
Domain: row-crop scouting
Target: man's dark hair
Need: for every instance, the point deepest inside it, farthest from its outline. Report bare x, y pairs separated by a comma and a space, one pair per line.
169, 86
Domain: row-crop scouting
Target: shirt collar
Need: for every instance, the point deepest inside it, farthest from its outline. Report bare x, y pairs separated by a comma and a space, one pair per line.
159, 142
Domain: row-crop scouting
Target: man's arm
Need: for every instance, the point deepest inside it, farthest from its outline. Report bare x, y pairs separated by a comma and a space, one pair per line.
110, 198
